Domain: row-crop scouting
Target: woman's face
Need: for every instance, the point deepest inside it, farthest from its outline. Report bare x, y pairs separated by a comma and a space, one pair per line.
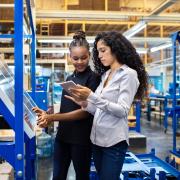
80, 58
105, 55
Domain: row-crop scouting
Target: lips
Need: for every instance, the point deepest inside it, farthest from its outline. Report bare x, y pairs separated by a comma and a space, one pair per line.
80, 67
103, 60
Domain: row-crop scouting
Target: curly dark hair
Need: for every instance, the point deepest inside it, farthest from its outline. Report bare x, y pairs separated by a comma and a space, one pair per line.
125, 54
79, 39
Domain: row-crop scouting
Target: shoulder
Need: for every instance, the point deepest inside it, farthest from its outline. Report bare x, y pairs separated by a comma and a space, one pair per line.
130, 77
69, 77
129, 72
93, 75
95, 78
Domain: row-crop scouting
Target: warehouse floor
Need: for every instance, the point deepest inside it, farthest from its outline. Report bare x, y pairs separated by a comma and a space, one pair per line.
156, 138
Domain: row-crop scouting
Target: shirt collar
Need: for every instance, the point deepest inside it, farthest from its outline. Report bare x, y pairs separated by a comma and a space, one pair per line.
123, 67
75, 73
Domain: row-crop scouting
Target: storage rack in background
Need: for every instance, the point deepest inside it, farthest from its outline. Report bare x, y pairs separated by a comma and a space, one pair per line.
22, 159
175, 153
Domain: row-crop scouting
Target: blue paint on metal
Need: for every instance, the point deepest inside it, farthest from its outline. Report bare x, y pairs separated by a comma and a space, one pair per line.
6, 36
7, 151
19, 71
33, 67
28, 4
27, 36
137, 128
14, 152
11, 36
138, 116
30, 169
175, 37
156, 162
152, 173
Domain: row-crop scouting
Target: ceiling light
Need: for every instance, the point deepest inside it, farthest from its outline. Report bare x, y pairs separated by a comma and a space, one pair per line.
135, 29
163, 46
141, 50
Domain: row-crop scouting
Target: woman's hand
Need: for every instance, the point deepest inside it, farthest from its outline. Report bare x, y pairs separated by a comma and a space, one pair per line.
38, 111
80, 93
83, 104
44, 120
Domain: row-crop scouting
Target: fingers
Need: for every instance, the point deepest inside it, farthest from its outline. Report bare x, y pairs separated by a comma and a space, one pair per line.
76, 95
74, 90
37, 110
69, 97
72, 99
42, 123
80, 86
40, 120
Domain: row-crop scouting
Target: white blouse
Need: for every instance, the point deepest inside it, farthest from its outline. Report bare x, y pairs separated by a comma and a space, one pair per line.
110, 106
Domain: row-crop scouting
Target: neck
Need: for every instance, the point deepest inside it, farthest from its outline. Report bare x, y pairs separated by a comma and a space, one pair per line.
116, 65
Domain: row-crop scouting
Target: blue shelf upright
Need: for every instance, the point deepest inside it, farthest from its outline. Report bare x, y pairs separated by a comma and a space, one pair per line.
137, 127
22, 159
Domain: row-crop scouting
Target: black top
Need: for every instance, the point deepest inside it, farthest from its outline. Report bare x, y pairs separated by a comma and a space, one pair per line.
78, 131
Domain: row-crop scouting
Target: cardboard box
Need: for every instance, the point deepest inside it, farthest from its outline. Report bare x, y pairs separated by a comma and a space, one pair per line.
7, 135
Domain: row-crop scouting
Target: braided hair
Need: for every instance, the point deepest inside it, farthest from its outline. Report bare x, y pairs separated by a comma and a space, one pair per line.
79, 39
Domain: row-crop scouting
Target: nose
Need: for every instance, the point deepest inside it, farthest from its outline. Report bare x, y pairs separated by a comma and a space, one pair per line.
79, 61
100, 55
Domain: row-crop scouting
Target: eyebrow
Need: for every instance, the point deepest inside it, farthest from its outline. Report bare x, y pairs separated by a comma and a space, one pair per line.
101, 48
79, 56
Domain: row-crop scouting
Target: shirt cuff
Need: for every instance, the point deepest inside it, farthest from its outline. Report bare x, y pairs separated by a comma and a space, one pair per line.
92, 97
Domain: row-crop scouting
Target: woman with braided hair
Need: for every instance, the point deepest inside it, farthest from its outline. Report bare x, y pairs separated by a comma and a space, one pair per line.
72, 141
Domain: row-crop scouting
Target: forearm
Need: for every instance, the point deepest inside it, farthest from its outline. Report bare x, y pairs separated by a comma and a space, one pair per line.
119, 108
70, 116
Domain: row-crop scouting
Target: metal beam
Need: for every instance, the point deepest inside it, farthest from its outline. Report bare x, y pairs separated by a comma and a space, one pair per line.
164, 5
68, 39
80, 14
103, 15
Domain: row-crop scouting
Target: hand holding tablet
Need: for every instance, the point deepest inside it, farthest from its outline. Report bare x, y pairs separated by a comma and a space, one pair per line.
68, 85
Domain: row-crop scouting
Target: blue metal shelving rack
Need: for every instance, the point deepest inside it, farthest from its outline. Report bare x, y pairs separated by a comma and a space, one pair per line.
175, 37
22, 159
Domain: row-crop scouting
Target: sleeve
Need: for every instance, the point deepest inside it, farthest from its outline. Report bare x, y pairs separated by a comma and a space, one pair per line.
91, 108
128, 87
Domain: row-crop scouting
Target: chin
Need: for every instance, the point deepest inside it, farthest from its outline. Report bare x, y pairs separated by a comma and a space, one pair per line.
104, 64
81, 70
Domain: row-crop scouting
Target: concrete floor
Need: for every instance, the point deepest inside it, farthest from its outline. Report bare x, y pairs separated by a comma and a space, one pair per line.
156, 138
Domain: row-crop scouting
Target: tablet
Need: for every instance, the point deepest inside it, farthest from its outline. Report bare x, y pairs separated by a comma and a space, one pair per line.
68, 85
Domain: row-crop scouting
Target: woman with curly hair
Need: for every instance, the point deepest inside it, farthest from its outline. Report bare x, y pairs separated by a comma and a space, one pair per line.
123, 79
